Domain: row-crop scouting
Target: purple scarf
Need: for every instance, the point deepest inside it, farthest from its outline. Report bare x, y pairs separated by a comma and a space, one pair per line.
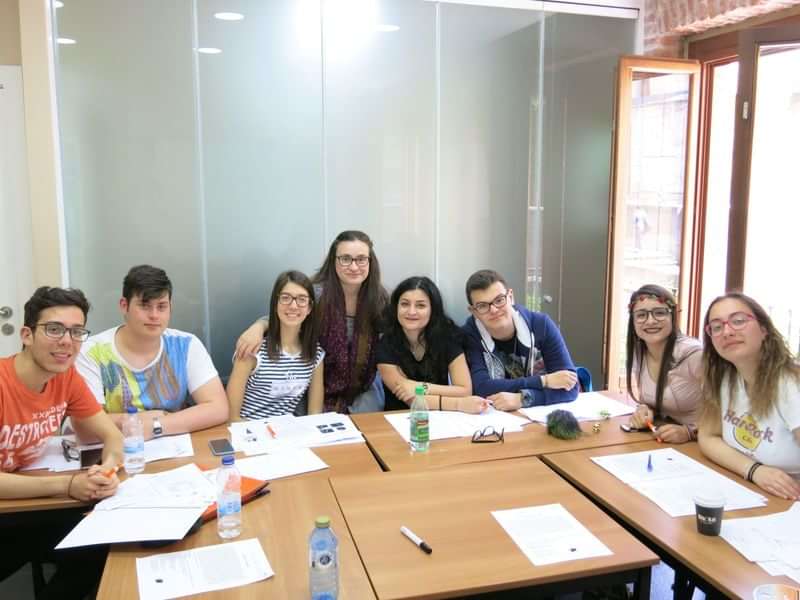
349, 367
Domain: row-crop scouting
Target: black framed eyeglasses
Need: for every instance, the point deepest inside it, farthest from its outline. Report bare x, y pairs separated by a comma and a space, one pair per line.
346, 260
498, 302
659, 314
488, 435
56, 330
302, 300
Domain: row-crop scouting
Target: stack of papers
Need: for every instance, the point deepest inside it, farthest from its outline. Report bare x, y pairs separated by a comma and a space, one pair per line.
589, 406
52, 459
163, 506
671, 479
771, 541
445, 424
205, 569
290, 432
549, 534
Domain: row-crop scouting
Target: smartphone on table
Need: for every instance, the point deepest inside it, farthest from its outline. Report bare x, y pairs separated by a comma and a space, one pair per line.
221, 447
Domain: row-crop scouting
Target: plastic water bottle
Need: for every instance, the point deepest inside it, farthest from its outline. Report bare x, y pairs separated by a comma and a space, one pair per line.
133, 443
323, 557
229, 499
420, 431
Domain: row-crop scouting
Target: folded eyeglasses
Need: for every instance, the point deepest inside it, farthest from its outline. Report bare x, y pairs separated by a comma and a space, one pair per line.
488, 435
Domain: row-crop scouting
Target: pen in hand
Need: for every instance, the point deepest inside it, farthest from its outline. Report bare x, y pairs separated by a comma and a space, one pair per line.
416, 539
653, 428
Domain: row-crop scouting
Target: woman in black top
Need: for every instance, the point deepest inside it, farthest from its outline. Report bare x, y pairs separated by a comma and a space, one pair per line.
422, 346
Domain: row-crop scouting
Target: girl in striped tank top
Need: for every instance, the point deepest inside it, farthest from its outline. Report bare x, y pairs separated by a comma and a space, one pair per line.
288, 362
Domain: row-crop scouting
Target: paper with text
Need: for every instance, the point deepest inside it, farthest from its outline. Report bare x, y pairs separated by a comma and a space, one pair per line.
444, 424
588, 406
549, 534
199, 570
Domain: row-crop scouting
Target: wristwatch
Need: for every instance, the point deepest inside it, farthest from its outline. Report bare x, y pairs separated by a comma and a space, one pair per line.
425, 387
157, 428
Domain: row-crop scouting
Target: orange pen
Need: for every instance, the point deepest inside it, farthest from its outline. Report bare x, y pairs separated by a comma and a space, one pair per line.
271, 431
653, 429
111, 471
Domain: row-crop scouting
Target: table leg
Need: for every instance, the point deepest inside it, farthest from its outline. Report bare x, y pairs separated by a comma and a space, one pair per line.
682, 588
641, 587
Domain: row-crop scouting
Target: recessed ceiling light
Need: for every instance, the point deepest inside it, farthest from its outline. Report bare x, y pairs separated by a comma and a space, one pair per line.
58, 4
228, 16
387, 28
209, 51
66, 41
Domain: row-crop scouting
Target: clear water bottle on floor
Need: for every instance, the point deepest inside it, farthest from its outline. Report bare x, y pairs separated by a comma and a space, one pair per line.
229, 499
420, 422
133, 444
323, 556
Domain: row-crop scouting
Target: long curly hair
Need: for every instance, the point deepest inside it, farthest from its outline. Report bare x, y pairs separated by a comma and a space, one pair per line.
775, 360
435, 336
636, 349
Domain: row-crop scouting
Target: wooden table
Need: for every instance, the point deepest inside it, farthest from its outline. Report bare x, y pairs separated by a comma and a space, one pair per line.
394, 453
343, 459
282, 521
715, 565
450, 509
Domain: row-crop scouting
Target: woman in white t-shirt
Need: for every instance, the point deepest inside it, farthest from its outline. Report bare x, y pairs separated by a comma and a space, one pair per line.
752, 382
663, 366
289, 361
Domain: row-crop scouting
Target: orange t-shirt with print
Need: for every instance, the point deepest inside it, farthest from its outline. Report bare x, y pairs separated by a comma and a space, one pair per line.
28, 419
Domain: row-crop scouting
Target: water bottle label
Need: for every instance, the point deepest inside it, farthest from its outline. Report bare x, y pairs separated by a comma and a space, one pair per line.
133, 446
323, 560
231, 506
419, 429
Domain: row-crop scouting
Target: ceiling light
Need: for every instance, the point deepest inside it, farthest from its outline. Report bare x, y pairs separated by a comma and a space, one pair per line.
58, 4
66, 41
209, 51
228, 16
387, 28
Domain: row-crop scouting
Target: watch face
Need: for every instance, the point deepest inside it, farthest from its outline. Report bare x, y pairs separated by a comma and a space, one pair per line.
157, 429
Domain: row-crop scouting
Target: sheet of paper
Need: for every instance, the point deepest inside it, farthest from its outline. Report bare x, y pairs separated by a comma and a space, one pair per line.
52, 459
444, 424
588, 406
335, 428
774, 537
276, 465
273, 434
171, 446
205, 569
666, 463
549, 534
184, 487
131, 525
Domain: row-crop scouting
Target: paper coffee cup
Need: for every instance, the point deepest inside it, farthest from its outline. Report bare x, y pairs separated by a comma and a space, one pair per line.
708, 511
775, 591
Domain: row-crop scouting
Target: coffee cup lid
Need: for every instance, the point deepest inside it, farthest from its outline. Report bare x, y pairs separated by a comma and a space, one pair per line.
710, 500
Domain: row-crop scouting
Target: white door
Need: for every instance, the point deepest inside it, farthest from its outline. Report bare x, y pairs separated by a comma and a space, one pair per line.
16, 252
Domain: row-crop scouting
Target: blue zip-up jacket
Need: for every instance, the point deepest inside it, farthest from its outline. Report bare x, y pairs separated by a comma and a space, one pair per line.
488, 373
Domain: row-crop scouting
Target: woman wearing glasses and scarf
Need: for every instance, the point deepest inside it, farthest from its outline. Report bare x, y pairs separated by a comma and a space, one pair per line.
751, 424
663, 366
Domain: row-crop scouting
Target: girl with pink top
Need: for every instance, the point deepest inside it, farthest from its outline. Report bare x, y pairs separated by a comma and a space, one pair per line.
664, 366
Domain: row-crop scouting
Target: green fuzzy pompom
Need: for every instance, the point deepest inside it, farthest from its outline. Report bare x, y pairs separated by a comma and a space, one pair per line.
563, 425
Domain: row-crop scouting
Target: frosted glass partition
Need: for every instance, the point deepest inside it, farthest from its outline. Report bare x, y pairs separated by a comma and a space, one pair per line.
489, 66
437, 128
261, 125
380, 128
129, 139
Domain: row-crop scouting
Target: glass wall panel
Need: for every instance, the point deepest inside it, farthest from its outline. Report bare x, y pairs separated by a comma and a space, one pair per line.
380, 128
129, 142
580, 57
261, 126
489, 80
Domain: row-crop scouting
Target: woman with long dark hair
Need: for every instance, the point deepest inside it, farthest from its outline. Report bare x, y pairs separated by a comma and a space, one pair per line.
422, 346
751, 424
663, 366
351, 300
289, 361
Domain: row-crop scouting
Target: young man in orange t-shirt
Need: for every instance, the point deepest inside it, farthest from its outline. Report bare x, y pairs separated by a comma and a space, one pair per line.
39, 387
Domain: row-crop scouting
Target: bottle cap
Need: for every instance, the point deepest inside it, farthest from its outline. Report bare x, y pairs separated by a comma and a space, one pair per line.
323, 521
420, 390
132, 409
227, 460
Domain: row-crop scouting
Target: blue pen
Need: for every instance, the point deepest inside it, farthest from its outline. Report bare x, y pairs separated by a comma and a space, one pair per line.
649, 463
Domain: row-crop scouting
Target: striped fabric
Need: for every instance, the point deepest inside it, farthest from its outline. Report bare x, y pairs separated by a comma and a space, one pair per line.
275, 387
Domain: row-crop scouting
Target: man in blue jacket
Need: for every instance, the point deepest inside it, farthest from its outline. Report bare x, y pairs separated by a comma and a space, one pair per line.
517, 358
